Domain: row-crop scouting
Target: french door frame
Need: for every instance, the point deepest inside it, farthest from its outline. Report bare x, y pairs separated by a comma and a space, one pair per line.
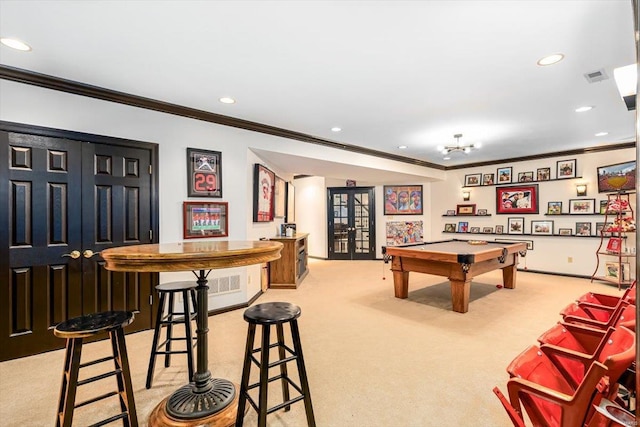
352, 230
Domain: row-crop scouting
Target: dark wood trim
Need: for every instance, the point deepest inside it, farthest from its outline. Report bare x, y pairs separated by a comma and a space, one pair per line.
55, 83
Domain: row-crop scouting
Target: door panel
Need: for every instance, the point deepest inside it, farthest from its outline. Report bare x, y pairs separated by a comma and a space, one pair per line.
351, 220
45, 184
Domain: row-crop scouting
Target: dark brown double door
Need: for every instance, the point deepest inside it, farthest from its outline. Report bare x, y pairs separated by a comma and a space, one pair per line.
63, 200
351, 231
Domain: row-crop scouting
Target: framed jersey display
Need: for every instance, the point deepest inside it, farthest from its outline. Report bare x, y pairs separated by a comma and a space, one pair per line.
204, 173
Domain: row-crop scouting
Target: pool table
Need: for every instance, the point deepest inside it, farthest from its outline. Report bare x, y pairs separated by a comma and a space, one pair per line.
458, 260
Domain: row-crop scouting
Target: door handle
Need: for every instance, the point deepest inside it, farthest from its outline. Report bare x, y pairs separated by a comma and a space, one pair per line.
72, 255
88, 253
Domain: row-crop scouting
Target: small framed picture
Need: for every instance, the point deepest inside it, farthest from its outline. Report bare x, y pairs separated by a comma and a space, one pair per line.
603, 229
583, 229
474, 230
499, 229
488, 179
472, 180
565, 232
528, 242
463, 227
566, 169
451, 212
603, 206
487, 229
449, 228
554, 208
581, 206
544, 174
617, 270
542, 227
525, 177
515, 225
466, 209
481, 212
504, 175
204, 219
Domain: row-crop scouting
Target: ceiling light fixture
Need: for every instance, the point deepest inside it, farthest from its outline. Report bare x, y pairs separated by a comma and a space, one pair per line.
583, 109
626, 79
227, 100
602, 133
336, 129
15, 44
551, 59
448, 149
402, 147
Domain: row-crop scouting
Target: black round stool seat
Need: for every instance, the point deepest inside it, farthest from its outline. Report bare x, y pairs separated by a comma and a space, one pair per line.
272, 313
91, 324
176, 286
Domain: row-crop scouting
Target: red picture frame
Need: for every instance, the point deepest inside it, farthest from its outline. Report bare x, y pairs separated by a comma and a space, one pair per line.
520, 199
264, 181
205, 219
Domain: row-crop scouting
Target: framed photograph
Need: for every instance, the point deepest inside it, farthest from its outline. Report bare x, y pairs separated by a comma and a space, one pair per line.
603, 206
565, 232
542, 227
603, 229
263, 200
205, 219
618, 177
402, 199
204, 173
522, 199
504, 175
543, 174
280, 197
525, 177
515, 225
291, 203
617, 270
481, 212
583, 229
566, 169
499, 229
554, 208
449, 228
463, 227
450, 212
487, 229
505, 240
581, 206
488, 179
472, 180
474, 230
466, 209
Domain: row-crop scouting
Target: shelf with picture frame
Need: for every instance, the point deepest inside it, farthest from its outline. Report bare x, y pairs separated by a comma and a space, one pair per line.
519, 182
565, 169
467, 210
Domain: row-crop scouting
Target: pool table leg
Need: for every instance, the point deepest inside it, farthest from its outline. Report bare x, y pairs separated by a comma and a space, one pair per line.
401, 283
460, 290
509, 275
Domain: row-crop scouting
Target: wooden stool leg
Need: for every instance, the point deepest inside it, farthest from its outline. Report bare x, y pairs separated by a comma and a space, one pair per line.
69, 382
283, 366
304, 383
125, 387
154, 344
246, 371
187, 331
264, 376
167, 356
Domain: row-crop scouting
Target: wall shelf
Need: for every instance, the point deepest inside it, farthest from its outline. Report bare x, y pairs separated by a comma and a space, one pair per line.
506, 184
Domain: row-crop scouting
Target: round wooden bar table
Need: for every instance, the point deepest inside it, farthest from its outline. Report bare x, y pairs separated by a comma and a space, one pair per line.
206, 401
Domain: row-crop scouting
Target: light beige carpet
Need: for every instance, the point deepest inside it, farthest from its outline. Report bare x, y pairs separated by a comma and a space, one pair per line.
373, 360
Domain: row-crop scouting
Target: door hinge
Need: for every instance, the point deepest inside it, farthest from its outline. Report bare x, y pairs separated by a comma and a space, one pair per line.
151, 235
150, 299
150, 169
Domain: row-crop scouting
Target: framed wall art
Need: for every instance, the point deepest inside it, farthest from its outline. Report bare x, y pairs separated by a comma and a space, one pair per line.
263, 200
474, 230
205, 219
291, 203
204, 173
402, 199
450, 228
582, 206
543, 174
565, 232
554, 208
482, 212
504, 175
521, 199
515, 225
583, 229
542, 227
487, 229
280, 197
618, 177
525, 176
472, 180
469, 209
499, 229
488, 179
463, 227
566, 169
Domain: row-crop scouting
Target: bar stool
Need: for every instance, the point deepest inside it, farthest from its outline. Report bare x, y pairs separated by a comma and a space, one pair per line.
75, 331
187, 289
266, 315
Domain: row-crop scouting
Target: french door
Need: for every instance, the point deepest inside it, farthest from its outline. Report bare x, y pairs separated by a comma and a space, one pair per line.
351, 213
66, 200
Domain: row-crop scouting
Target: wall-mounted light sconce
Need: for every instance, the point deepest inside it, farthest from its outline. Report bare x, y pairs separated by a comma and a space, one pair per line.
466, 195
581, 189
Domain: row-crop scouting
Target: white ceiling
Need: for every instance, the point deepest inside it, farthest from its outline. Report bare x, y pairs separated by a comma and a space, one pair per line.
388, 73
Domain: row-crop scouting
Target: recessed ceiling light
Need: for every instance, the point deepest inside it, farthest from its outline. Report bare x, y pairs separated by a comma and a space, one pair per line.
402, 147
15, 44
602, 133
551, 59
227, 100
583, 109
446, 158
336, 129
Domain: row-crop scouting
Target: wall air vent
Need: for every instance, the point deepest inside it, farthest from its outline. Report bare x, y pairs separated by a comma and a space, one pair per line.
596, 76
